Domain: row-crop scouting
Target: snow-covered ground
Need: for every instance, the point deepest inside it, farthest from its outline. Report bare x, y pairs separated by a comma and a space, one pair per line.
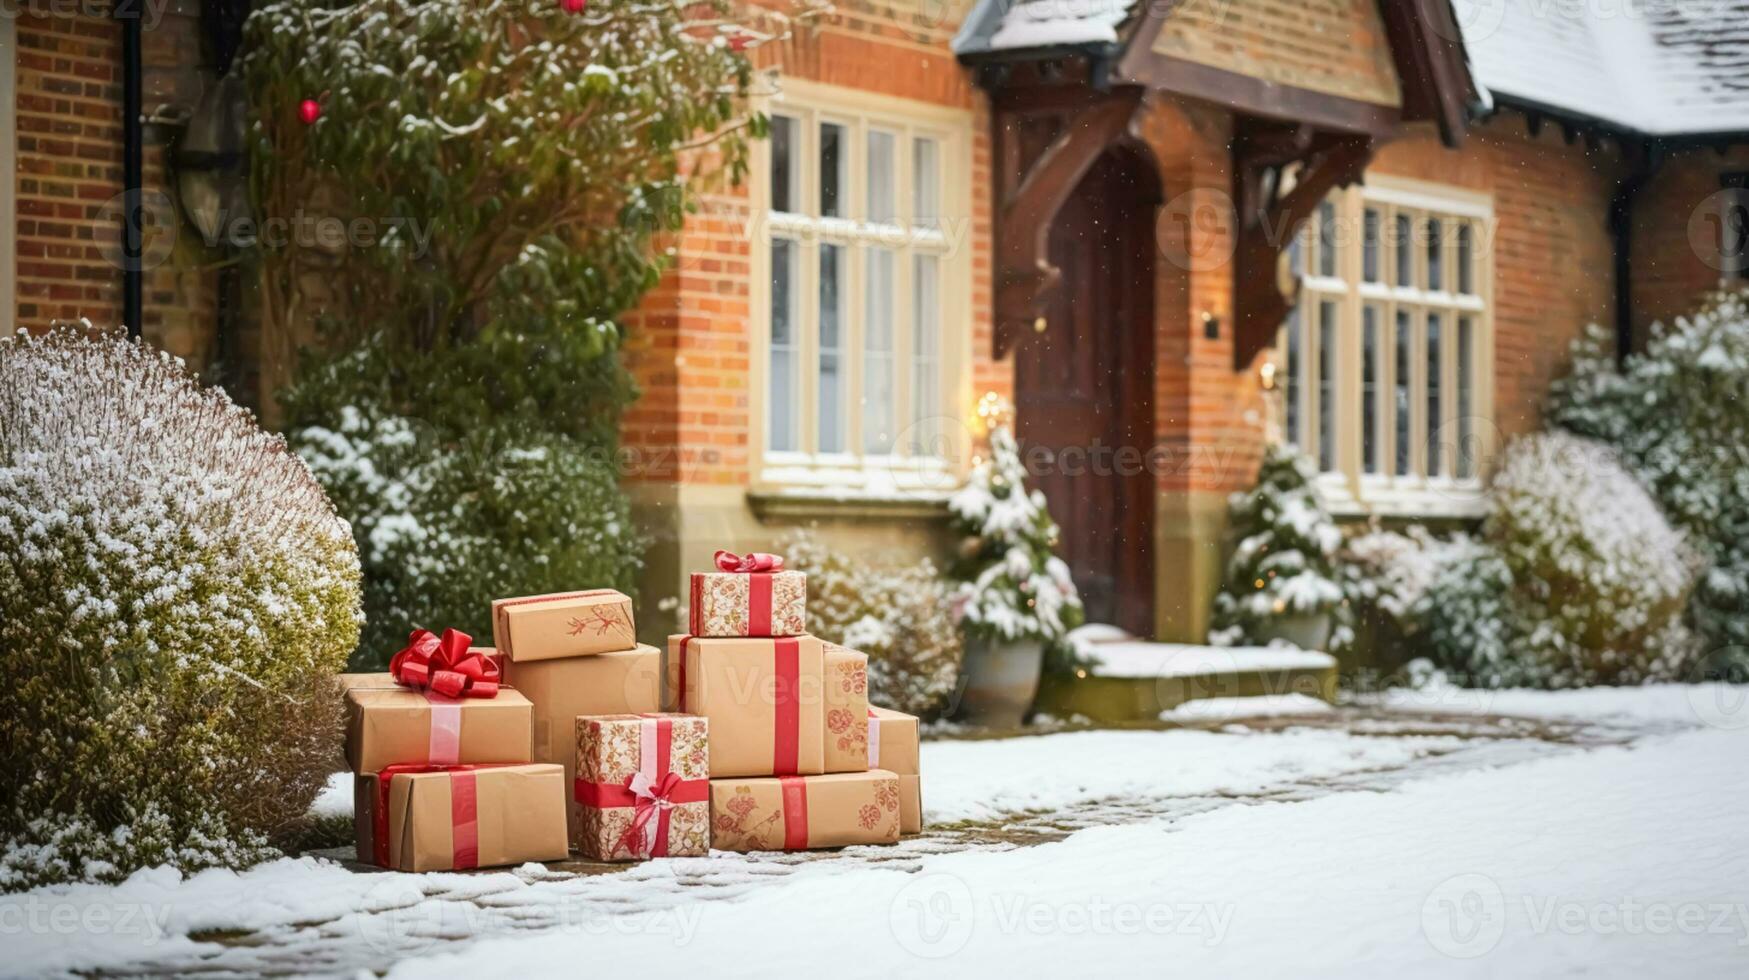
1314, 851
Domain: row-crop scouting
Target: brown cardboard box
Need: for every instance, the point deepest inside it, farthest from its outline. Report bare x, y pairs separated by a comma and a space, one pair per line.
793, 813
399, 725
626, 682
517, 814
563, 624
379, 679
666, 754
748, 604
894, 745
847, 725
762, 695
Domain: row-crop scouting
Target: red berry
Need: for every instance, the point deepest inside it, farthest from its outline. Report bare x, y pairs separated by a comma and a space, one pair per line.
309, 111
572, 6
738, 42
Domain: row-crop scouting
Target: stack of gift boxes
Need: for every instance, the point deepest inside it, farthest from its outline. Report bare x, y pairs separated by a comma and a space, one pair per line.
745, 734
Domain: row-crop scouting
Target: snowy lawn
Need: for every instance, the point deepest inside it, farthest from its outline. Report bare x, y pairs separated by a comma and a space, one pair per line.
1314, 851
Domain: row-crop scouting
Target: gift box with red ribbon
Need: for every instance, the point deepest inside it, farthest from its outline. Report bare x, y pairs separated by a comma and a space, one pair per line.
763, 697
846, 695
441, 705
748, 595
796, 813
455, 817
643, 786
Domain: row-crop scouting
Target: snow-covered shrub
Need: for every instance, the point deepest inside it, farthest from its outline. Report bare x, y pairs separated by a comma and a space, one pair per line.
1678, 414
1012, 586
176, 594
1601, 575
462, 486
1389, 571
1578, 579
1285, 562
899, 615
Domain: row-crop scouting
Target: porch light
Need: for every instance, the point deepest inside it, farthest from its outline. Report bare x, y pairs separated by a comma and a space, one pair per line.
1266, 375
209, 160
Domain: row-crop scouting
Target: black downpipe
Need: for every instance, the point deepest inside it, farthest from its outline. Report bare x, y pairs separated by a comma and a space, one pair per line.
132, 171
1621, 229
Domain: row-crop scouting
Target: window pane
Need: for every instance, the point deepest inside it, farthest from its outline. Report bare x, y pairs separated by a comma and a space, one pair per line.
1405, 251
925, 337
926, 178
1435, 254
831, 414
1369, 255
782, 411
832, 160
877, 354
1369, 389
1327, 239
1466, 274
882, 202
1434, 416
1466, 453
784, 173
1292, 395
1400, 401
1327, 385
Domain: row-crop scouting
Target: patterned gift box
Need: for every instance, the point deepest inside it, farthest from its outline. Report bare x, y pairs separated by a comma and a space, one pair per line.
795, 813
748, 595
643, 786
563, 624
894, 745
846, 696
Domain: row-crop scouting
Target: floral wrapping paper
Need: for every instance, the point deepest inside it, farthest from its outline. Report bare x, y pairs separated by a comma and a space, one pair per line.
722, 605
610, 750
846, 696
837, 810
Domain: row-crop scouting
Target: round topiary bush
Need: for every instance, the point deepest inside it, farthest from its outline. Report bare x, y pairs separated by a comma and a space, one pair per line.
176, 595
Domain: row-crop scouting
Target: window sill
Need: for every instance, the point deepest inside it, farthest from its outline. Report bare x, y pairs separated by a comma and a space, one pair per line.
806, 502
1390, 498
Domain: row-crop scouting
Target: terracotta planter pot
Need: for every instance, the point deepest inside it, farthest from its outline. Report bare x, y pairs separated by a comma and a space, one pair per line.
1001, 680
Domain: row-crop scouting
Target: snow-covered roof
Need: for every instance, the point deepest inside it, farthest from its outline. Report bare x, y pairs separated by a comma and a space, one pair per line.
1660, 67
1014, 25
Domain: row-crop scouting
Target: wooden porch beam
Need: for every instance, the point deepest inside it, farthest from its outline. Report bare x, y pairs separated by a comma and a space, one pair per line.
1025, 276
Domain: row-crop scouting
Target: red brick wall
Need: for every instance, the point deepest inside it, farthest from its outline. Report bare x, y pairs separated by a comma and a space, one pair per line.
1333, 46
69, 167
1551, 250
1674, 246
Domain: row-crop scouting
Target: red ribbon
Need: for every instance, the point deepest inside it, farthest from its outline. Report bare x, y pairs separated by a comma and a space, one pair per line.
752, 561
463, 811
795, 813
650, 800
786, 709
445, 666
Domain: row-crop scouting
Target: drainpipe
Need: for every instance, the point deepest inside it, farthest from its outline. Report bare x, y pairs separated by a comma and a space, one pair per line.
1646, 162
132, 170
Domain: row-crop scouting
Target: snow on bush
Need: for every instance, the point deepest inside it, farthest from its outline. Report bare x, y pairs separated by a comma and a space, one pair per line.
898, 615
1012, 587
1580, 579
1678, 414
176, 596
1285, 562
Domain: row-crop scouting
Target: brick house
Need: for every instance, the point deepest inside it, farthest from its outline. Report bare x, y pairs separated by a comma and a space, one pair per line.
1167, 232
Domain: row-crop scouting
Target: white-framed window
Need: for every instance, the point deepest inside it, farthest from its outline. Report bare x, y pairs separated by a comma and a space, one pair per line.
9, 167
1387, 356
862, 283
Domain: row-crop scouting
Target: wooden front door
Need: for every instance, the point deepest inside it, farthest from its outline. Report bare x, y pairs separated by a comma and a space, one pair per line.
1084, 391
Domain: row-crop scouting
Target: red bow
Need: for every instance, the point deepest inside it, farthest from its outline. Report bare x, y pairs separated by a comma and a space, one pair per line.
752, 561
445, 666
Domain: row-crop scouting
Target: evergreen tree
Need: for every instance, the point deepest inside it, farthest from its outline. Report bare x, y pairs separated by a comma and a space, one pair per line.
1286, 560
1012, 585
